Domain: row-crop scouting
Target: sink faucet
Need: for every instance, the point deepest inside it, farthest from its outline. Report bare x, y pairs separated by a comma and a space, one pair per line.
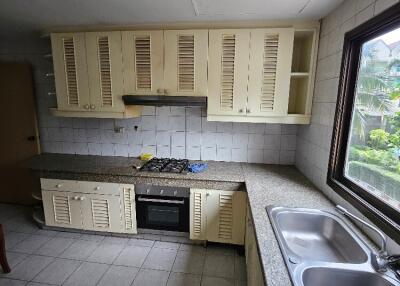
381, 260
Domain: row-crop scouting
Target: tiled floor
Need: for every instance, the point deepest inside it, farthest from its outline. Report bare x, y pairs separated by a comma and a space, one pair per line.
39, 257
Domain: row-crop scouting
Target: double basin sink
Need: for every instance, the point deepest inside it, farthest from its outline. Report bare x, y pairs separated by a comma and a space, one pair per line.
321, 250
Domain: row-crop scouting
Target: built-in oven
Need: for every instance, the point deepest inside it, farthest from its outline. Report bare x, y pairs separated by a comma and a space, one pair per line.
162, 208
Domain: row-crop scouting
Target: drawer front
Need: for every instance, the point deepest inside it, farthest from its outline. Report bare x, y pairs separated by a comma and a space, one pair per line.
59, 185
99, 188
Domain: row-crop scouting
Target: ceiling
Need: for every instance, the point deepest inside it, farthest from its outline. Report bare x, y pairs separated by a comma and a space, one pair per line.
21, 16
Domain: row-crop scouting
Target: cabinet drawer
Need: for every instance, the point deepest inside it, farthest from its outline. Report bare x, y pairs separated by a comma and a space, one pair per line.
99, 188
59, 185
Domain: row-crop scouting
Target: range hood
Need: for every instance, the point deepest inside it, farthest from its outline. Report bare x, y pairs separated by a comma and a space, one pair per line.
165, 100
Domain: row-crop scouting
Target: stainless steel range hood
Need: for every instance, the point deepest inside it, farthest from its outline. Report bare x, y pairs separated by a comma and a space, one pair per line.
165, 100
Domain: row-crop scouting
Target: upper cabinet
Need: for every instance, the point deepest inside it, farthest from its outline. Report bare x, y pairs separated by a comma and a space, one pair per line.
70, 70
143, 62
227, 83
186, 55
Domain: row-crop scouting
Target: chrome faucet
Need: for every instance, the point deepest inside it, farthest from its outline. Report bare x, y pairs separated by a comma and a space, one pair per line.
381, 260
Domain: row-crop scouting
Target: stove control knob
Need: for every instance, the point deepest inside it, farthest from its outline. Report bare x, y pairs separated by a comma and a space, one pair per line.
161, 192
148, 191
175, 193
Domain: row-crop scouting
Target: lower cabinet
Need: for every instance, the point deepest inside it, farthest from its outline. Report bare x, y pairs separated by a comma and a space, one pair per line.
89, 206
217, 216
253, 266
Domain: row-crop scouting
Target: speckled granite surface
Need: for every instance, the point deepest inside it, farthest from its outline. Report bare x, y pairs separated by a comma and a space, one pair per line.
265, 185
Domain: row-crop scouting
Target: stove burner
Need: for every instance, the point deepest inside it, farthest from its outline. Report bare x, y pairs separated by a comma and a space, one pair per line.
166, 165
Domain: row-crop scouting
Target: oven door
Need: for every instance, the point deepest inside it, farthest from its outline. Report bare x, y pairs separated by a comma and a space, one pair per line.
164, 213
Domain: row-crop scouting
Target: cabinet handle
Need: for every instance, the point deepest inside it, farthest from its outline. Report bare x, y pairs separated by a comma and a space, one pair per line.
97, 188
92, 106
76, 198
241, 110
82, 198
160, 90
248, 110
207, 194
58, 186
86, 106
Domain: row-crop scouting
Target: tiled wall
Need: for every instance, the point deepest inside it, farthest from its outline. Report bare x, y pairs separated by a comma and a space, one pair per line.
165, 132
314, 140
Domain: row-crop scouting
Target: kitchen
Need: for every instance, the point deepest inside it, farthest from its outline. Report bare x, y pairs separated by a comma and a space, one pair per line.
199, 143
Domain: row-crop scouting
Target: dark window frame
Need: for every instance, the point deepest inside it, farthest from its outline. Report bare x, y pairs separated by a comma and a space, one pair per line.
380, 213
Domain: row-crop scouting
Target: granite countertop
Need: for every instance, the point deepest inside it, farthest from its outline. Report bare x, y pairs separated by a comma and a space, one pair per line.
265, 185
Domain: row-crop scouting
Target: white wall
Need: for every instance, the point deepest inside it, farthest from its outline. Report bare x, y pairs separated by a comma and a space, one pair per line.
314, 140
165, 132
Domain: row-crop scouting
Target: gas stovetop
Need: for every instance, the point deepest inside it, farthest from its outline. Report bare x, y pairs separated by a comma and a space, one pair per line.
166, 165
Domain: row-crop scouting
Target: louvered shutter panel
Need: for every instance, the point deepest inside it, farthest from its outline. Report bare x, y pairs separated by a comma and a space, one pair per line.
271, 42
228, 71
100, 213
129, 212
269, 75
186, 63
198, 214
70, 71
143, 62
225, 220
105, 71
62, 212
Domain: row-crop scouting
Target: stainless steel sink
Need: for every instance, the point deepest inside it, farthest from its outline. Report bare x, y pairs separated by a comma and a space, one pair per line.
319, 248
332, 277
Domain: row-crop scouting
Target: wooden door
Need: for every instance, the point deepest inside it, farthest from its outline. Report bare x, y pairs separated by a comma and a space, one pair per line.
228, 71
198, 214
104, 61
62, 209
101, 212
20, 139
128, 209
143, 62
185, 57
226, 212
270, 67
70, 70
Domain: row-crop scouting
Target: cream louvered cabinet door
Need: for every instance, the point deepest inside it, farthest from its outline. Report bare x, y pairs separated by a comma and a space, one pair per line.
198, 214
62, 209
185, 58
143, 62
101, 212
269, 71
128, 209
226, 212
70, 71
104, 62
228, 71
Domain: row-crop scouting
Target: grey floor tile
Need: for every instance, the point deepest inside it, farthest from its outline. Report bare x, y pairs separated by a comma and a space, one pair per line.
21, 224
183, 279
192, 248
37, 284
132, 256
13, 238
223, 249
166, 245
88, 274
80, 249
46, 232
115, 240
119, 276
214, 281
219, 266
55, 246
69, 234
141, 242
92, 237
189, 262
240, 268
160, 259
106, 253
29, 268
14, 258
57, 272
11, 282
147, 277
31, 244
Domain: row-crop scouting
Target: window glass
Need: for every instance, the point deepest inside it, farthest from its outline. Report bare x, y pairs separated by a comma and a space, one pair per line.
372, 159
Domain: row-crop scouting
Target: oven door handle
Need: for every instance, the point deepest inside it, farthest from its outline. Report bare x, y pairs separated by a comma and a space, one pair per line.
140, 199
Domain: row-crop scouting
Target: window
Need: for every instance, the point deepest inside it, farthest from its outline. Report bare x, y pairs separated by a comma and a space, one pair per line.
365, 154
